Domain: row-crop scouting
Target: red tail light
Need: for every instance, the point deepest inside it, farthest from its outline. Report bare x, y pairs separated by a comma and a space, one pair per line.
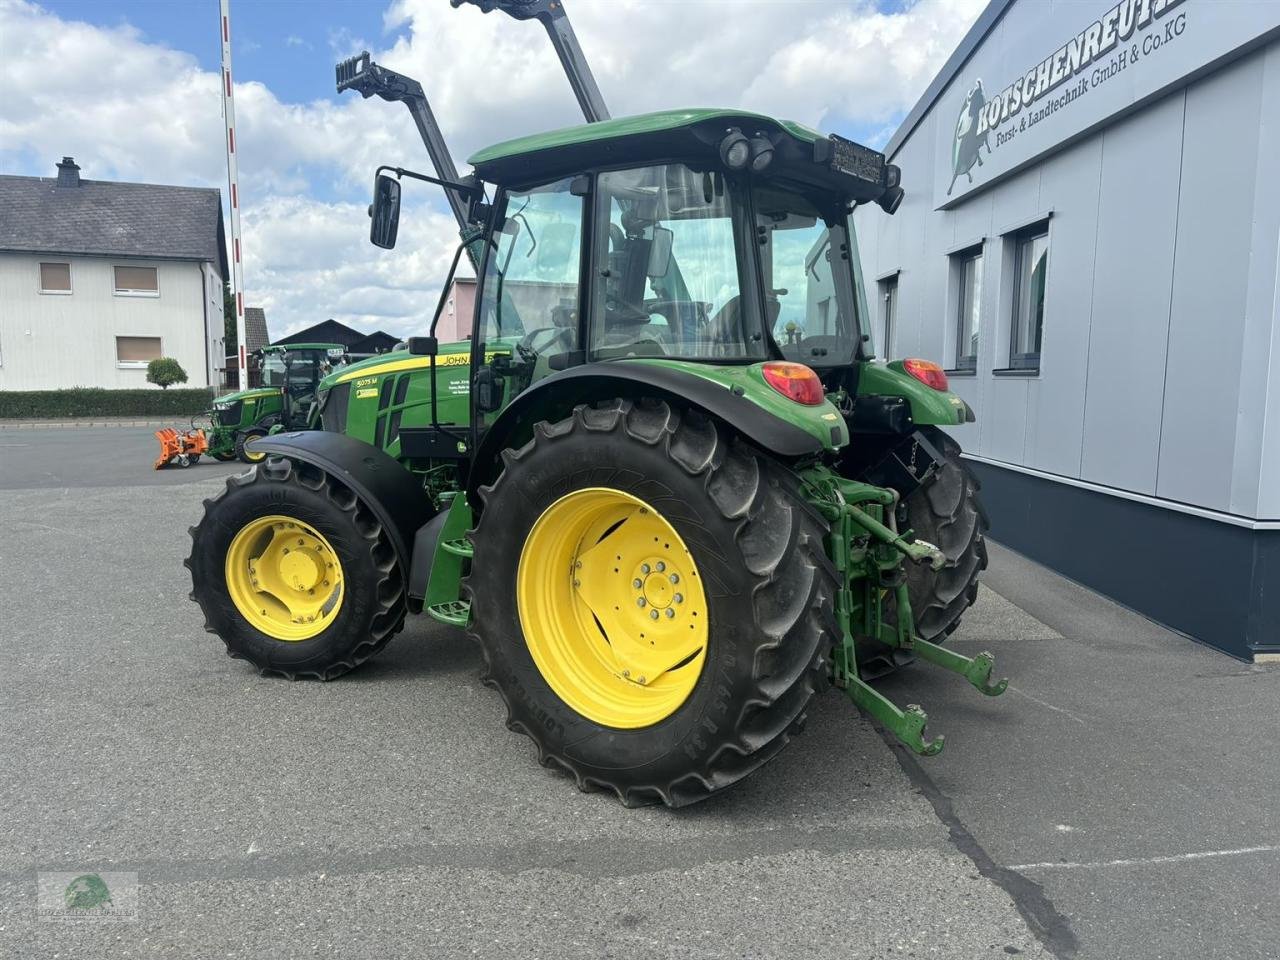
794, 381
927, 372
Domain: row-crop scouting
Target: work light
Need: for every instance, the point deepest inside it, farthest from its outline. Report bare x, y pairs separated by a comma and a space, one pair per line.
735, 149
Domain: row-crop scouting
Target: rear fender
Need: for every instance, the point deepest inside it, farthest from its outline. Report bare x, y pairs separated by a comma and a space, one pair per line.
555, 397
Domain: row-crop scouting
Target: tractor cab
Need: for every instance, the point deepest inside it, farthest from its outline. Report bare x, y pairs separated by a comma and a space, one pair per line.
295, 371
710, 239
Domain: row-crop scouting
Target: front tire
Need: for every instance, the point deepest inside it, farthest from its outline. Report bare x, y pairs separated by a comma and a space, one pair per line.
294, 573
738, 528
245, 455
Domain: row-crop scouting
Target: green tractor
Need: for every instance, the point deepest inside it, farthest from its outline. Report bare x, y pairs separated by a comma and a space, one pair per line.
291, 375
664, 484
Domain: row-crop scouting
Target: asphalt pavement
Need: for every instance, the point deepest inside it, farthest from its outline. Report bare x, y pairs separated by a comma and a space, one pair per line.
1113, 804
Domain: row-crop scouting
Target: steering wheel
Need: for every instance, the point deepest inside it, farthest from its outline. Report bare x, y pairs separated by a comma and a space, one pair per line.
536, 341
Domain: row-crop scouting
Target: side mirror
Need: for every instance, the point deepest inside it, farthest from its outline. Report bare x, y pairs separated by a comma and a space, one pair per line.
659, 253
385, 212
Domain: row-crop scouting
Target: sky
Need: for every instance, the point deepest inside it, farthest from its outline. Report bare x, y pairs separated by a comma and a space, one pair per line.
130, 89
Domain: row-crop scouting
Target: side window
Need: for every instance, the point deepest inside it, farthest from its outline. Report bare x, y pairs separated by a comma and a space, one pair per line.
967, 275
530, 294
667, 258
1031, 268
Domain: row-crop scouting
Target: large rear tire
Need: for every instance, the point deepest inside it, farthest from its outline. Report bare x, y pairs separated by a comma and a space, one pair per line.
294, 573
602, 488
947, 513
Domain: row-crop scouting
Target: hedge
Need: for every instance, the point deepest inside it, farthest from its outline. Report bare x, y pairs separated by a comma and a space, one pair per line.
97, 402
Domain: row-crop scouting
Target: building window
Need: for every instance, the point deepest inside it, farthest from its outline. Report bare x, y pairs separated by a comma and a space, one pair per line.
1031, 266
968, 273
55, 278
137, 282
889, 312
137, 351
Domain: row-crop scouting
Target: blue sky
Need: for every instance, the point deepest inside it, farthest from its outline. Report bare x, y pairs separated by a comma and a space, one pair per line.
130, 88
290, 45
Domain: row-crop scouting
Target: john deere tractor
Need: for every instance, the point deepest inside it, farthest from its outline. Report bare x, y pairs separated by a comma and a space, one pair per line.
664, 485
290, 377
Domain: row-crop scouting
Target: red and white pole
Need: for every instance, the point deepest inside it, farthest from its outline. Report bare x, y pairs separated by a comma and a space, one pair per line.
233, 186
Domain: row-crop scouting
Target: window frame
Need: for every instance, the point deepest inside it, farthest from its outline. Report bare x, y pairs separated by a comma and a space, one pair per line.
119, 291
40, 287
136, 364
966, 364
1026, 362
887, 288
742, 224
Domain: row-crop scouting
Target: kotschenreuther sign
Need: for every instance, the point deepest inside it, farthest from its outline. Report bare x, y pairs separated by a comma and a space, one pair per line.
1129, 52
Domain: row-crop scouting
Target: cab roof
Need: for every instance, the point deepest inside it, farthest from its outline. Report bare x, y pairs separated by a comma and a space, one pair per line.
686, 135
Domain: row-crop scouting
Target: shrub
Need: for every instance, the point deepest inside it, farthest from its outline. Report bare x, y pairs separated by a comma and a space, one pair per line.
165, 371
97, 402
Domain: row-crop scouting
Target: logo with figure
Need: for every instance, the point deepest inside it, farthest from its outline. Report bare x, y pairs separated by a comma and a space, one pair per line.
87, 897
87, 892
968, 142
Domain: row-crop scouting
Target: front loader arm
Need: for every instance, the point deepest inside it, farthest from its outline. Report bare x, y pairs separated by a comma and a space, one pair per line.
369, 79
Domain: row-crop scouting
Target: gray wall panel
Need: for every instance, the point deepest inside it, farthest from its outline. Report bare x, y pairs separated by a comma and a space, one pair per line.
1137, 218
1211, 269
1055, 426
1255, 487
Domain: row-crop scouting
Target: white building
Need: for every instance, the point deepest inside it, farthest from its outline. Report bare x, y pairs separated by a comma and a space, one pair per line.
98, 278
1090, 242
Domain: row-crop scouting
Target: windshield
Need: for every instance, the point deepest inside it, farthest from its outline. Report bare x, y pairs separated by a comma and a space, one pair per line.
813, 300
669, 246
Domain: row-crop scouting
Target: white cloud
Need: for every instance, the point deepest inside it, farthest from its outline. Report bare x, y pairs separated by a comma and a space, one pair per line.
129, 109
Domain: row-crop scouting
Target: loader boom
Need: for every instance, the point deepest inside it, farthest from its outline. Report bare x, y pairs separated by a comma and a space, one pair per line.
367, 78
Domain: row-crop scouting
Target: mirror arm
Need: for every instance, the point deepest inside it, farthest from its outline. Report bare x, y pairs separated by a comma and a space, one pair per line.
468, 189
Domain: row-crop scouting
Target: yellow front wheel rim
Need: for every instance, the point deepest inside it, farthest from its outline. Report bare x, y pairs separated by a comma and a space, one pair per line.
284, 577
612, 608
253, 456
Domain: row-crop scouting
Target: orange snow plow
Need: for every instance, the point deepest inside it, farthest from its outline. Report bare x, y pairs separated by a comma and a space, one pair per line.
181, 448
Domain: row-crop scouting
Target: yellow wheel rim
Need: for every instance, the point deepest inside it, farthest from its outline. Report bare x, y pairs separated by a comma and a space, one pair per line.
612, 608
253, 456
284, 577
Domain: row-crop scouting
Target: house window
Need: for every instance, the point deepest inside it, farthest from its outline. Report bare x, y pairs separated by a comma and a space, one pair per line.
968, 273
889, 311
1031, 266
137, 282
137, 351
55, 278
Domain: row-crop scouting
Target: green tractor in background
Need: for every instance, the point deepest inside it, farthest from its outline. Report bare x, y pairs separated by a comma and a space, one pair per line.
664, 484
291, 376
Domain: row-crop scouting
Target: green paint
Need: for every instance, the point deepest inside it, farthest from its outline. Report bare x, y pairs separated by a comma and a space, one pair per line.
928, 406
749, 383
868, 551
443, 600
646, 123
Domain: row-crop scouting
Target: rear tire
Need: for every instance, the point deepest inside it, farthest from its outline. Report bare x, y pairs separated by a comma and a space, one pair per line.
947, 513
371, 607
759, 555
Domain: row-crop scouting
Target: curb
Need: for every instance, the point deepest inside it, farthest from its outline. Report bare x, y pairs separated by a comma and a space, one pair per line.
69, 424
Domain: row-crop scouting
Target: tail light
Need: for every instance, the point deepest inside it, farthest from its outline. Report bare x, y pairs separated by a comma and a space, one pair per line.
794, 381
927, 372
